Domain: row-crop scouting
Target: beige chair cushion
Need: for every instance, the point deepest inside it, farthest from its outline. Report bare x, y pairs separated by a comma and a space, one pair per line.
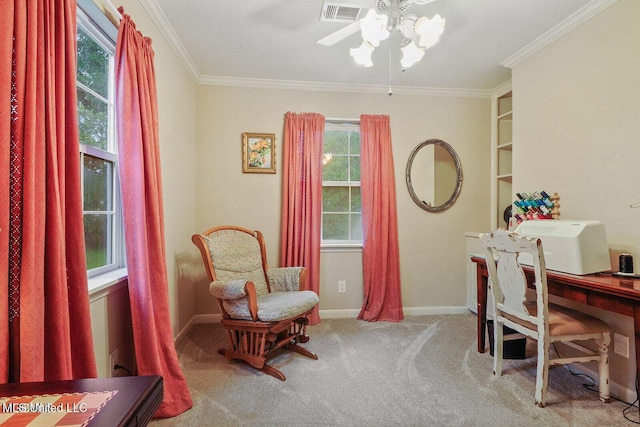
278, 306
565, 321
284, 279
237, 256
273, 307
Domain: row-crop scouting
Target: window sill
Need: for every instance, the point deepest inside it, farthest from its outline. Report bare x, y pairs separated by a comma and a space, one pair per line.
106, 283
341, 247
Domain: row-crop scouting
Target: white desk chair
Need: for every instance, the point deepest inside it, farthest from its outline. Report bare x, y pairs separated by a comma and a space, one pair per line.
544, 322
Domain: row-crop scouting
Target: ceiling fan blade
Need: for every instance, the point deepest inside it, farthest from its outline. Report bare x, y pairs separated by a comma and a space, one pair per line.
341, 34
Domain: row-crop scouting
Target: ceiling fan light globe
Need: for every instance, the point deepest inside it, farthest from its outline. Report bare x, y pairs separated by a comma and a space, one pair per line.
429, 30
411, 54
374, 28
362, 54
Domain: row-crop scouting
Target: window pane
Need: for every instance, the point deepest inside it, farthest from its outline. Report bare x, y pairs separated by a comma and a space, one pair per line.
336, 169
335, 227
342, 203
94, 77
93, 64
336, 142
356, 227
355, 168
356, 200
355, 142
93, 120
335, 199
98, 180
97, 239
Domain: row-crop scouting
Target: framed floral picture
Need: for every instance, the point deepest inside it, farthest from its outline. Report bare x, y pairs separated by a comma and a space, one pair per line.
258, 152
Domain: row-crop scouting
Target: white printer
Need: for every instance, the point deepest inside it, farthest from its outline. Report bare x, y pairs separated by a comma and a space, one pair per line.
576, 247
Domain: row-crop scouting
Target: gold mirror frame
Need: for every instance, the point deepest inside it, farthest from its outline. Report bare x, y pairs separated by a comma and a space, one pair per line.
458, 167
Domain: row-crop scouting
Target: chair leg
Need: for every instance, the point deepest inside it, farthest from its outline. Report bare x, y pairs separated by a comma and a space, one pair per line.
603, 366
255, 362
498, 337
270, 370
301, 350
253, 345
297, 332
542, 375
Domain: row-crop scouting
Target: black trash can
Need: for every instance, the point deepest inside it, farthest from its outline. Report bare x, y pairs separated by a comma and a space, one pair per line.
514, 349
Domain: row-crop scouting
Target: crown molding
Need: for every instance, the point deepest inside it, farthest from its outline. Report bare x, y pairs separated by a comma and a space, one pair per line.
502, 89
564, 27
162, 24
341, 87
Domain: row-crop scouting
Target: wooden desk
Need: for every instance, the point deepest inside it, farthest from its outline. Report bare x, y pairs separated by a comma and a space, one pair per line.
601, 290
133, 405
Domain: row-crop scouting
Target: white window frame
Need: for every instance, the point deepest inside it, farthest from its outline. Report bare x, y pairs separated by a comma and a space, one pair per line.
342, 243
93, 21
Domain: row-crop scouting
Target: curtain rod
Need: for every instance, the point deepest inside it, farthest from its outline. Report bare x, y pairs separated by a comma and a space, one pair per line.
338, 119
110, 11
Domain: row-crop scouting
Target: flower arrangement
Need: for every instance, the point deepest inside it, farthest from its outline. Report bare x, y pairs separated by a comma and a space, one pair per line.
259, 153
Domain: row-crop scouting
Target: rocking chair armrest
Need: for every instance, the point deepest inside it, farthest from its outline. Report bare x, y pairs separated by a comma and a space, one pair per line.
252, 300
287, 279
236, 289
228, 290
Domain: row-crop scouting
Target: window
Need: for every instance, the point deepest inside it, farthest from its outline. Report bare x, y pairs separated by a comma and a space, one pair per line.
341, 203
98, 148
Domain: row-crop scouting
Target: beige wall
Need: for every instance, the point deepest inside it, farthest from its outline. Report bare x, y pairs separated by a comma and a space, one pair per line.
432, 246
576, 130
576, 105
176, 104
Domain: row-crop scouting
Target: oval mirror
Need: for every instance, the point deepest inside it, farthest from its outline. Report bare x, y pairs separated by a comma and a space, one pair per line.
434, 175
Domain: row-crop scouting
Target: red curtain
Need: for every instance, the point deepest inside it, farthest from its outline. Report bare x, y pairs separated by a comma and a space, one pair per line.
142, 205
45, 326
302, 197
380, 254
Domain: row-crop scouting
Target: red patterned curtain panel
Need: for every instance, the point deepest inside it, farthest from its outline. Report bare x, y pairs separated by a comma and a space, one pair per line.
302, 197
45, 326
380, 253
142, 206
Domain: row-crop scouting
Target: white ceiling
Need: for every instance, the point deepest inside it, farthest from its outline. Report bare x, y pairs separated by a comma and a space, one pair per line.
266, 41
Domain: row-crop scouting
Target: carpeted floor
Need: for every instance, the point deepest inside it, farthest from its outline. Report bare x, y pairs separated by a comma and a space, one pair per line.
423, 371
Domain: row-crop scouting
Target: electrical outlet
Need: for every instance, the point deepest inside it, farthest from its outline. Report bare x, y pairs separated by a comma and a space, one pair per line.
342, 286
621, 345
113, 361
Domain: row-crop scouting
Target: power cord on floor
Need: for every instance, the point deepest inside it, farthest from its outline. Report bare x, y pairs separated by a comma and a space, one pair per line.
591, 387
631, 406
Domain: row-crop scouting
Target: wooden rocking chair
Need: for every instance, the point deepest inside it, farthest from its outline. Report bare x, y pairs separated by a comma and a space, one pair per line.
262, 309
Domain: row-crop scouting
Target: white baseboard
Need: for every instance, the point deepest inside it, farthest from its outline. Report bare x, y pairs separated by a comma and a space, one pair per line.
431, 310
348, 313
408, 311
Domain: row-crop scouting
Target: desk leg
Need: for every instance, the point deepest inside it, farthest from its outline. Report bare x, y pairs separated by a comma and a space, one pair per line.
481, 284
636, 329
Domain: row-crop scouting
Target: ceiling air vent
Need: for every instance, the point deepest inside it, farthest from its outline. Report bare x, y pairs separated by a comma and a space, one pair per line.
335, 12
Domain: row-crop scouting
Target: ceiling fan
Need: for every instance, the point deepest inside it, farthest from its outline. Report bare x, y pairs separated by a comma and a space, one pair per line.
388, 16
397, 20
